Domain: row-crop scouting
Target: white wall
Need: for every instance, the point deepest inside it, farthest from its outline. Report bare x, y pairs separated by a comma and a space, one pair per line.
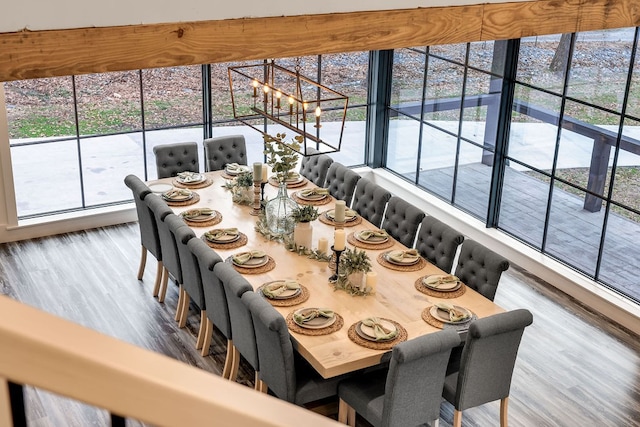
57, 14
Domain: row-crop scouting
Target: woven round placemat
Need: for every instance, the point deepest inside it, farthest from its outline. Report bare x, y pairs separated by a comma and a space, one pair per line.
439, 294
192, 201
351, 238
242, 240
320, 202
382, 260
335, 326
289, 302
275, 183
215, 219
207, 182
270, 265
386, 345
427, 317
326, 220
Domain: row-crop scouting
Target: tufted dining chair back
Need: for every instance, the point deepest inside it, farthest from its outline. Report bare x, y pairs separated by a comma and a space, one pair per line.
480, 268
487, 364
149, 238
401, 220
171, 159
341, 182
242, 331
370, 201
438, 243
315, 167
170, 257
221, 150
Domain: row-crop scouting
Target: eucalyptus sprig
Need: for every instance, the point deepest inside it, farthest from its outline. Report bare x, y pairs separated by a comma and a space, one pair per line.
281, 156
353, 261
305, 213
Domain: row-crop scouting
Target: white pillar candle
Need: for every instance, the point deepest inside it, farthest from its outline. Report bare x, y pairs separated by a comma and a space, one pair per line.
323, 245
257, 171
372, 281
339, 211
264, 173
339, 240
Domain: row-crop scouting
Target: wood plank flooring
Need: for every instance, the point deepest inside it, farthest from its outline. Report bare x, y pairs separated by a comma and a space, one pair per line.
574, 367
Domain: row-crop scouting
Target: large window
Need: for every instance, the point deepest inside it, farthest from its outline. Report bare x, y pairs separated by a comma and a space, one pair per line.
566, 178
84, 134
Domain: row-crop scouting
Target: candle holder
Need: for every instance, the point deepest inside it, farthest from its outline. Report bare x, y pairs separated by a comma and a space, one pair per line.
262, 184
257, 205
338, 225
334, 277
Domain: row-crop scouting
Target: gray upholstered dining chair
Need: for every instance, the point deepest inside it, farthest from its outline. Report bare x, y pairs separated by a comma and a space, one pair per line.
401, 220
170, 258
149, 239
242, 332
191, 285
341, 182
288, 377
486, 368
480, 268
438, 242
172, 159
409, 392
215, 302
221, 150
315, 167
370, 201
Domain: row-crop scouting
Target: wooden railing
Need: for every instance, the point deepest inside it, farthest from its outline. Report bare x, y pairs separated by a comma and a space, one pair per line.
47, 352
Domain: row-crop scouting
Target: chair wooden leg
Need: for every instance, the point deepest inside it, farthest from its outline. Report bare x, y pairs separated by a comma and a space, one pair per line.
156, 285
235, 363
162, 292
202, 330
436, 423
504, 407
351, 417
184, 312
180, 302
457, 418
208, 333
343, 411
143, 262
228, 361
260, 386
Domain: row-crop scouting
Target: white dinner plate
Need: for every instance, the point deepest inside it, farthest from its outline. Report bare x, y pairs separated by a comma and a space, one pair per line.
317, 323
443, 315
367, 332
405, 261
437, 286
160, 188
253, 262
286, 294
371, 240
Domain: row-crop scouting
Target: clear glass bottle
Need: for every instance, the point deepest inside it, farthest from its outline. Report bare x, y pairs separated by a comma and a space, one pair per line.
278, 212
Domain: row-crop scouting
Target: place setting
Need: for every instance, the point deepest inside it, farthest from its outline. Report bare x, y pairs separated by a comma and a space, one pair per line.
402, 260
377, 333
252, 262
312, 196
284, 293
192, 180
225, 238
180, 197
442, 315
440, 286
314, 321
293, 180
232, 170
371, 239
202, 217
345, 217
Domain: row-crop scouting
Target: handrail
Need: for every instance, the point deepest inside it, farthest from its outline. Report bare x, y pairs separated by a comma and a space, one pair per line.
53, 354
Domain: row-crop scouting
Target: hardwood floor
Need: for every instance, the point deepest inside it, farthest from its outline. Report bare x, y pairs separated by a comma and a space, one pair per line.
574, 367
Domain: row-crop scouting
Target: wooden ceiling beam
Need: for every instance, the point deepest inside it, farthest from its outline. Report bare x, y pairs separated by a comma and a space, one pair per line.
35, 54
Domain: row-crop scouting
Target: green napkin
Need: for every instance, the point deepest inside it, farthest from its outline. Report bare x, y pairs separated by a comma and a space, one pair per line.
195, 213
314, 192
274, 290
368, 234
177, 192
436, 280
348, 213
380, 331
220, 232
233, 167
403, 256
244, 257
312, 314
189, 176
454, 314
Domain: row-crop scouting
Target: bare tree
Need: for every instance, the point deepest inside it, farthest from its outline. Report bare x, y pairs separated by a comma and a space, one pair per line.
560, 58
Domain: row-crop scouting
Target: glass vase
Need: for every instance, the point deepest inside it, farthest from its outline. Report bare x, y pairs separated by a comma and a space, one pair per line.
278, 212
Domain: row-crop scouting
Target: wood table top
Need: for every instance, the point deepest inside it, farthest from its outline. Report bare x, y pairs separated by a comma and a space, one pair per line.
396, 297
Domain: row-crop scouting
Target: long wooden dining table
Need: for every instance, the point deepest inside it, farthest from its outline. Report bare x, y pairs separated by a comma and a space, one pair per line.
396, 298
